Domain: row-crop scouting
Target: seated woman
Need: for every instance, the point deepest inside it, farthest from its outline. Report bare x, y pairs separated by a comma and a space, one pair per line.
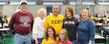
63, 37
50, 37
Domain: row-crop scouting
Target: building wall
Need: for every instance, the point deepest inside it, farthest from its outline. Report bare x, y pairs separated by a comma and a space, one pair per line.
8, 10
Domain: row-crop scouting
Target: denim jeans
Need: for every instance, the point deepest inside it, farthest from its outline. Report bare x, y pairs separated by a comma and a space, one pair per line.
39, 40
20, 39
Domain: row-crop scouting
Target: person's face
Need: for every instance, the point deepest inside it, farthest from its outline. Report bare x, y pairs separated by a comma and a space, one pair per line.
61, 35
84, 13
42, 14
23, 7
50, 32
68, 13
55, 10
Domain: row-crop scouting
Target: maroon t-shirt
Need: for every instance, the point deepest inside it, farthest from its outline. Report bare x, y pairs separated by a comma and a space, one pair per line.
22, 21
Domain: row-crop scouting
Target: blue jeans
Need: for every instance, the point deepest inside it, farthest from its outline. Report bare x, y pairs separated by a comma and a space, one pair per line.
39, 40
20, 39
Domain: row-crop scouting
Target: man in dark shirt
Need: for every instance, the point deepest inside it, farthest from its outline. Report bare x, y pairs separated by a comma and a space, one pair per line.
22, 21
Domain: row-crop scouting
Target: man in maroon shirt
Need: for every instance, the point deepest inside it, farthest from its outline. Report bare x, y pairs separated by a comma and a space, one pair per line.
22, 21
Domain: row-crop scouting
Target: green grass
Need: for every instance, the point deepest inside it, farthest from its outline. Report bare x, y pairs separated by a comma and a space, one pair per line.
9, 41
107, 41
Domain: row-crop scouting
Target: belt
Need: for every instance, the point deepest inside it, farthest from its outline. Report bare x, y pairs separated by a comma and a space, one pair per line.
24, 34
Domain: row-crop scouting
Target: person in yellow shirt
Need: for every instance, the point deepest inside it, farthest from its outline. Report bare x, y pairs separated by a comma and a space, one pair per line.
50, 37
54, 20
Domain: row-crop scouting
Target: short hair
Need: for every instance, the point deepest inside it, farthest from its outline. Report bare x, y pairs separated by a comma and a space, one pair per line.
86, 9
56, 5
23, 3
82, 10
42, 9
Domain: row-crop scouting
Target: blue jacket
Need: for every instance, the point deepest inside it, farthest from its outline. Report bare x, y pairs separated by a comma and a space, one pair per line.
86, 31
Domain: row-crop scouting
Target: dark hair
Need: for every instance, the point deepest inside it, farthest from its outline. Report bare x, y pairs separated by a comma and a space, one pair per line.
104, 16
87, 8
23, 3
54, 33
70, 9
96, 15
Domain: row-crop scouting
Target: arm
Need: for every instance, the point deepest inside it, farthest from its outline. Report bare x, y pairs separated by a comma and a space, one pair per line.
11, 24
63, 23
46, 23
32, 22
35, 30
77, 23
92, 31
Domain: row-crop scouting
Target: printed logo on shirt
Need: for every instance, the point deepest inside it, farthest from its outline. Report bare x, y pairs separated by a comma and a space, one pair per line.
57, 21
69, 22
25, 21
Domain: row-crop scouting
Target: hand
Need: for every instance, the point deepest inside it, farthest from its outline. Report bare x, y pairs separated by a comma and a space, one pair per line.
36, 42
90, 41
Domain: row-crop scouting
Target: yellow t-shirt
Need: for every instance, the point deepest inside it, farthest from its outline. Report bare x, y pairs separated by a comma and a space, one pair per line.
55, 22
49, 41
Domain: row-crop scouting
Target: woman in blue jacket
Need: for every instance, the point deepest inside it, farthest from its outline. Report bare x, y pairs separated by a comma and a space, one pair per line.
85, 29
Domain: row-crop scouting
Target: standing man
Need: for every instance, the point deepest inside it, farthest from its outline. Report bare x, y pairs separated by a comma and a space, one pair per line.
54, 20
22, 21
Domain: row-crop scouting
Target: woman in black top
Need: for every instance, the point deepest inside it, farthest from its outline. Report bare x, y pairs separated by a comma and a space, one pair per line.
70, 23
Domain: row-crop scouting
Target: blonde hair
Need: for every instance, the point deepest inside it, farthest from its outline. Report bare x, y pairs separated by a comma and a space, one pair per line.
42, 9
66, 33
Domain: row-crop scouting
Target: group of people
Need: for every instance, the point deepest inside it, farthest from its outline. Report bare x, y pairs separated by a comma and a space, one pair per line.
52, 29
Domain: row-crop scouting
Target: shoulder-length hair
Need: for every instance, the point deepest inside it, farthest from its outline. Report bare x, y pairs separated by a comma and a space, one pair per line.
54, 33
70, 9
65, 34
